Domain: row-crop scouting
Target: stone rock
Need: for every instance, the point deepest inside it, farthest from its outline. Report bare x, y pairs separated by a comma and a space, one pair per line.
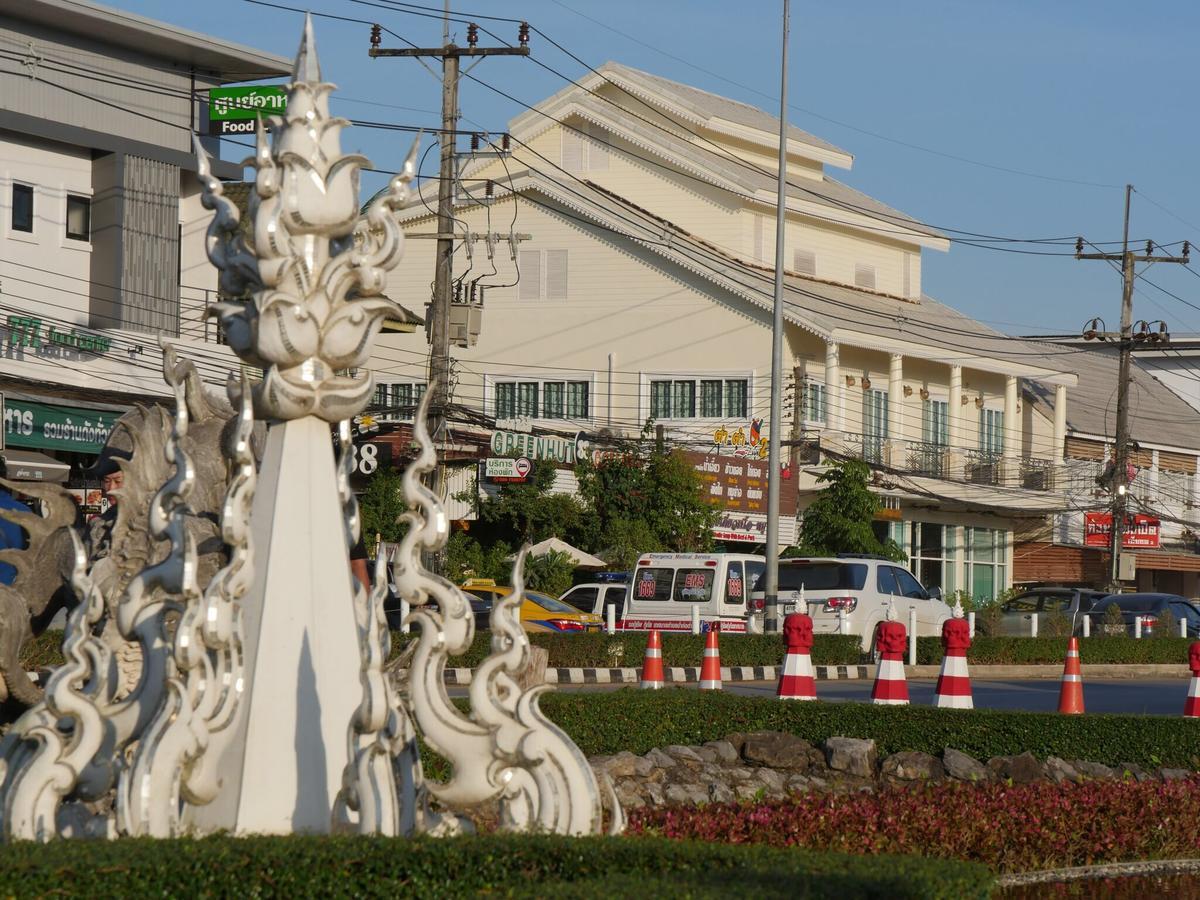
654, 794
816, 760
719, 792
960, 766
1092, 769
661, 760
749, 790
1173, 774
725, 751
642, 767
913, 766
1134, 771
629, 795
851, 755
1059, 770
1021, 769
681, 775
798, 784
776, 750
740, 773
620, 765
707, 754
686, 794
772, 780
682, 753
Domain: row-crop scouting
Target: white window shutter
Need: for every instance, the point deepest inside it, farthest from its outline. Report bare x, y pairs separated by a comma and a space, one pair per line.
529, 285
597, 153
804, 262
572, 150
556, 274
758, 238
864, 276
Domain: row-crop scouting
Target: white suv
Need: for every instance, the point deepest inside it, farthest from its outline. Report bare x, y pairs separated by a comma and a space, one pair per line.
859, 586
596, 597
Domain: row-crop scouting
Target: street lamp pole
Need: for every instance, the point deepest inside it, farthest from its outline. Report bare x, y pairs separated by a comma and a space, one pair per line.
772, 624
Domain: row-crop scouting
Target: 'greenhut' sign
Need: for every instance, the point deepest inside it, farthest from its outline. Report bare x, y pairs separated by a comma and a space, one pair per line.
234, 110
30, 424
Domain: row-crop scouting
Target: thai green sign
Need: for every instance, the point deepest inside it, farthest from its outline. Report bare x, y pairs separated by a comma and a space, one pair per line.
234, 110
30, 424
27, 331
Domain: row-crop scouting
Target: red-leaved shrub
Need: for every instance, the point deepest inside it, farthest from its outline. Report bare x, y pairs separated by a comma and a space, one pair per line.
1009, 828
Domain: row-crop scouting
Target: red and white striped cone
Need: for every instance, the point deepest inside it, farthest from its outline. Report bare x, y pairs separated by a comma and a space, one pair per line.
710, 669
890, 688
797, 681
1191, 706
652, 665
954, 683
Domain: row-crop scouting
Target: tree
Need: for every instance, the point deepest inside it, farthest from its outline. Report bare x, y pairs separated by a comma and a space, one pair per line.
381, 506
645, 500
550, 572
526, 512
839, 520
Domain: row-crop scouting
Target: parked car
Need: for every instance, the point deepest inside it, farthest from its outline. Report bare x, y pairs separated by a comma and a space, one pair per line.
861, 587
597, 596
539, 612
666, 587
1150, 608
1016, 615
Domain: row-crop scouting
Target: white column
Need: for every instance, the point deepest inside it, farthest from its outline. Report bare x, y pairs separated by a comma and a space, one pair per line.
1009, 471
835, 421
896, 397
954, 423
1060, 423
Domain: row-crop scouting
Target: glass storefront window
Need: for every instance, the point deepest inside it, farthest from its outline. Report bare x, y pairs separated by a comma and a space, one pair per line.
986, 570
931, 555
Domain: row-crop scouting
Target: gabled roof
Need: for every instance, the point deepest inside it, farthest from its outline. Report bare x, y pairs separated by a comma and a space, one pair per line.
845, 204
1157, 415
848, 315
706, 107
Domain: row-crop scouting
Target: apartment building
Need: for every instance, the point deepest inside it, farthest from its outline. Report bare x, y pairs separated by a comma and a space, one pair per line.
629, 279
101, 227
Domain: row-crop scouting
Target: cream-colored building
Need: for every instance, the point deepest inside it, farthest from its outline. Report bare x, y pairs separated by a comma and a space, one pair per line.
629, 277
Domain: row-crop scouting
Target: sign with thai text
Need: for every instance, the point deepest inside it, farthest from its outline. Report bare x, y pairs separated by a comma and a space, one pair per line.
234, 110
501, 469
27, 331
737, 483
1140, 532
30, 424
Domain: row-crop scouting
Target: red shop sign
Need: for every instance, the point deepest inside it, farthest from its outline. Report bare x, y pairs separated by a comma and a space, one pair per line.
1140, 532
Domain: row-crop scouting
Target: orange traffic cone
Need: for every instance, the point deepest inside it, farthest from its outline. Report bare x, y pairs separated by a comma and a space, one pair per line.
796, 680
1191, 706
710, 670
1070, 696
652, 666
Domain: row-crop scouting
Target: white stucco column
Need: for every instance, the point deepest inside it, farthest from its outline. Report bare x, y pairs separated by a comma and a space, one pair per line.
896, 397
1009, 466
954, 430
1060, 424
833, 389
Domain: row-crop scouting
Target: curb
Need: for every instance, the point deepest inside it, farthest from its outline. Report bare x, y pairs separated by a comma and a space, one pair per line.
674, 674
1107, 870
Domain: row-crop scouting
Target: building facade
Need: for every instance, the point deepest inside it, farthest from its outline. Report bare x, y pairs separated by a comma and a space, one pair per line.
617, 269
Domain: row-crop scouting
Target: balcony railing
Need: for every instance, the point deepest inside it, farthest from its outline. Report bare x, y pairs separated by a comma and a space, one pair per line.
193, 324
937, 460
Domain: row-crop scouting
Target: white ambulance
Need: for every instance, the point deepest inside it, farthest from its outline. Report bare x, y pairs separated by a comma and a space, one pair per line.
664, 588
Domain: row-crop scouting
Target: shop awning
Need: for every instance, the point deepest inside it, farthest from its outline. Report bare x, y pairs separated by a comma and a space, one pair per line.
29, 465
1170, 562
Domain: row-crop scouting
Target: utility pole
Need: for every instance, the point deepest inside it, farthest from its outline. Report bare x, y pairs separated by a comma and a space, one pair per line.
439, 332
1126, 338
772, 623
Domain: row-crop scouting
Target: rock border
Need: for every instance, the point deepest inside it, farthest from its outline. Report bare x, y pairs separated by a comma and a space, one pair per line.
1107, 870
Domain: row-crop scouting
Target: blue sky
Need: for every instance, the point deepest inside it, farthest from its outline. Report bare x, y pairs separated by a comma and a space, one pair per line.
1081, 95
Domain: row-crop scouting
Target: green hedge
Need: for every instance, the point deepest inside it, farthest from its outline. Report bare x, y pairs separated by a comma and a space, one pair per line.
497, 865
43, 651
1095, 650
635, 720
628, 649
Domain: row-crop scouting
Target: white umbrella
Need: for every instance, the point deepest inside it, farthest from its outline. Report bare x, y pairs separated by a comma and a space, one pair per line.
582, 560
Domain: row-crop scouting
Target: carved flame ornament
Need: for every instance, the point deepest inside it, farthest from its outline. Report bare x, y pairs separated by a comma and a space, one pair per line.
244, 716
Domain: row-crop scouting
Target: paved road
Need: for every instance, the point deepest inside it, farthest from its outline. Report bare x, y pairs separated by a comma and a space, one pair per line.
1163, 697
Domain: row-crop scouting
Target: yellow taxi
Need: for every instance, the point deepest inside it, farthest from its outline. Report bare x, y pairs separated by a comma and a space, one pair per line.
539, 612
